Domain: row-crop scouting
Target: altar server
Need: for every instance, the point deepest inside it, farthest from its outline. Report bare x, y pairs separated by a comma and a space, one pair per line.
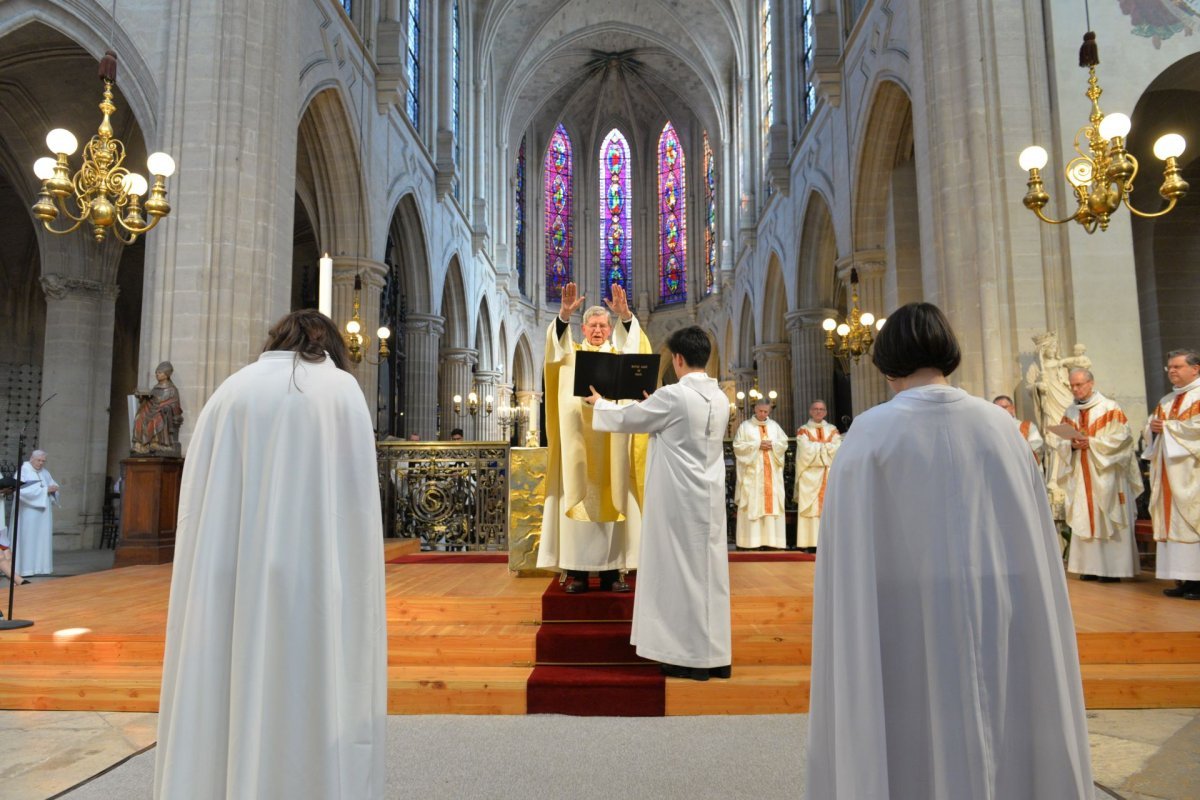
39, 495
275, 674
760, 447
944, 656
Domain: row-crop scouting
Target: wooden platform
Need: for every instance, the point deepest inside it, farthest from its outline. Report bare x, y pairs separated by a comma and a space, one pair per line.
461, 640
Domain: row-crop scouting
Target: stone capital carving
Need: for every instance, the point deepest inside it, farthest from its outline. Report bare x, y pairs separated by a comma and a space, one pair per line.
491, 376
774, 350
424, 324
58, 287
869, 263
804, 318
460, 355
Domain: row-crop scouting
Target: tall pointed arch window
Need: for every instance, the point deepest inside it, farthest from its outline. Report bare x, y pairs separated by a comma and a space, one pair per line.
672, 218
519, 217
558, 196
616, 232
412, 59
809, 102
710, 218
767, 83
456, 84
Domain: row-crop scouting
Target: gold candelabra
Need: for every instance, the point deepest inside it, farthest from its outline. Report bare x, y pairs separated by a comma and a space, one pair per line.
512, 416
474, 406
854, 337
1102, 176
105, 193
357, 342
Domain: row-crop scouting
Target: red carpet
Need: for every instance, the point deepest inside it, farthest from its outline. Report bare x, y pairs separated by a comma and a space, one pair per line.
777, 555
583, 658
451, 558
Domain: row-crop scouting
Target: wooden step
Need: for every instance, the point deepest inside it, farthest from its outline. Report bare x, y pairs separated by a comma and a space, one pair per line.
750, 690
1141, 685
431, 645
29, 687
457, 690
1140, 647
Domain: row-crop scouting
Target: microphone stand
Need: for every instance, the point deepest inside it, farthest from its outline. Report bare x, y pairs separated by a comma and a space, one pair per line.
8, 623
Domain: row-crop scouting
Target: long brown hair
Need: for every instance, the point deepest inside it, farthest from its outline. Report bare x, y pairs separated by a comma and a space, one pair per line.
310, 334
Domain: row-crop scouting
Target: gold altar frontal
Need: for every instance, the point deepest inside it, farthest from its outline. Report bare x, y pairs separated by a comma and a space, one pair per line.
527, 492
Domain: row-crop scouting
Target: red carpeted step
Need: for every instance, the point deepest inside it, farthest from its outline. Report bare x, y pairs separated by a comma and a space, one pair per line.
585, 643
594, 605
597, 691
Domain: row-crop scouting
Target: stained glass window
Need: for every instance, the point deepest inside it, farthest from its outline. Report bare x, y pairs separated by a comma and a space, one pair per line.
347, 7
455, 85
766, 99
559, 240
710, 218
672, 218
806, 37
616, 236
519, 216
413, 59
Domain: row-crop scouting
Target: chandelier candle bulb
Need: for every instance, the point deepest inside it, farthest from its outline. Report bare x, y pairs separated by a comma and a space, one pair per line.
1033, 157
160, 165
43, 168
1170, 145
353, 326
62, 142
1114, 126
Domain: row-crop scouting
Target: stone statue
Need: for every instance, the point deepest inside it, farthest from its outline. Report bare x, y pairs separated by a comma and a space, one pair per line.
159, 416
1050, 381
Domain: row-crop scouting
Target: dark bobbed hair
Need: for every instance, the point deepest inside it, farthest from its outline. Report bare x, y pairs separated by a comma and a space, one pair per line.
310, 335
691, 343
916, 336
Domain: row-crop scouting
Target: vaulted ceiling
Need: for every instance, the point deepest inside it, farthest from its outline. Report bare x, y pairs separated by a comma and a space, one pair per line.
633, 60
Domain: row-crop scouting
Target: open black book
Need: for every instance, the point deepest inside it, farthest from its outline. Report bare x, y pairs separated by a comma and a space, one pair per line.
616, 376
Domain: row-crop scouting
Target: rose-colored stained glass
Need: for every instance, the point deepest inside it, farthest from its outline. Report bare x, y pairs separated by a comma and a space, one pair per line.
672, 216
559, 239
616, 232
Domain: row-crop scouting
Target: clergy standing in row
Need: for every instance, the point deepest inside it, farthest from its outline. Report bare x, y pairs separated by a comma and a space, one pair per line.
1099, 473
592, 517
1029, 431
681, 615
760, 447
274, 681
944, 661
1173, 450
39, 495
817, 441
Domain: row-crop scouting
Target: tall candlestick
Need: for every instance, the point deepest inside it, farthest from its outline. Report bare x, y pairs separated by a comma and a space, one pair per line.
325, 287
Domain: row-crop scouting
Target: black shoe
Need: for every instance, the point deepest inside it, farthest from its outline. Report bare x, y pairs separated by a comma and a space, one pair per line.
577, 586
1179, 590
721, 672
1107, 579
1089, 577
691, 673
1191, 590
620, 587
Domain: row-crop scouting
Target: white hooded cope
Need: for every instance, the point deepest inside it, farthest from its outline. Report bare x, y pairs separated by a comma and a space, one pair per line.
944, 655
274, 679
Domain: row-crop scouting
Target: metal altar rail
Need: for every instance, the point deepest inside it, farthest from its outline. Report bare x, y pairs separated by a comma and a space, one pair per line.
453, 496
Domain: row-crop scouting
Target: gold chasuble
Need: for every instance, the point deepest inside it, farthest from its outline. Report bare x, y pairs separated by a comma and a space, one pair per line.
596, 479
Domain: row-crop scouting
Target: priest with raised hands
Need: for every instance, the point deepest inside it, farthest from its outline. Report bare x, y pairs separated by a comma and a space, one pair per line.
760, 447
1099, 473
1173, 449
592, 516
817, 441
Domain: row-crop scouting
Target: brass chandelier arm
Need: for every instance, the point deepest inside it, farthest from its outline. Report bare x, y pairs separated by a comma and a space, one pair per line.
1146, 214
1044, 218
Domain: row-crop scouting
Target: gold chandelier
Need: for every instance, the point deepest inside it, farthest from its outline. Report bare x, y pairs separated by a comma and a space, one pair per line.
855, 336
1102, 176
105, 193
358, 342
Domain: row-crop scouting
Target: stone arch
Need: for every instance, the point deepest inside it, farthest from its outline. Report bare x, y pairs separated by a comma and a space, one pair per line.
774, 302
454, 307
745, 333
329, 171
885, 142
1166, 249
484, 346
409, 254
817, 253
524, 378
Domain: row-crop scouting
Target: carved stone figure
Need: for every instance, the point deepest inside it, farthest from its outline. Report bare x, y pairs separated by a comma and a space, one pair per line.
159, 416
1049, 379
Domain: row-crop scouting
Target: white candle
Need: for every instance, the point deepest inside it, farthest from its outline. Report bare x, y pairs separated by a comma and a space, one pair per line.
325, 286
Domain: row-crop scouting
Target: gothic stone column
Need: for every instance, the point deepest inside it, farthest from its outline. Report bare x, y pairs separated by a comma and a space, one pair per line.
219, 268
775, 373
77, 374
743, 382
531, 402
812, 363
422, 333
455, 378
487, 426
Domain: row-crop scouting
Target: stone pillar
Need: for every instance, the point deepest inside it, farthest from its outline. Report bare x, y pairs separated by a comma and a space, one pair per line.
422, 334
531, 402
479, 204
743, 382
812, 363
487, 426
219, 268
729, 387
447, 169
867, 386
76, 383
455, 378
775, 373
372, 273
